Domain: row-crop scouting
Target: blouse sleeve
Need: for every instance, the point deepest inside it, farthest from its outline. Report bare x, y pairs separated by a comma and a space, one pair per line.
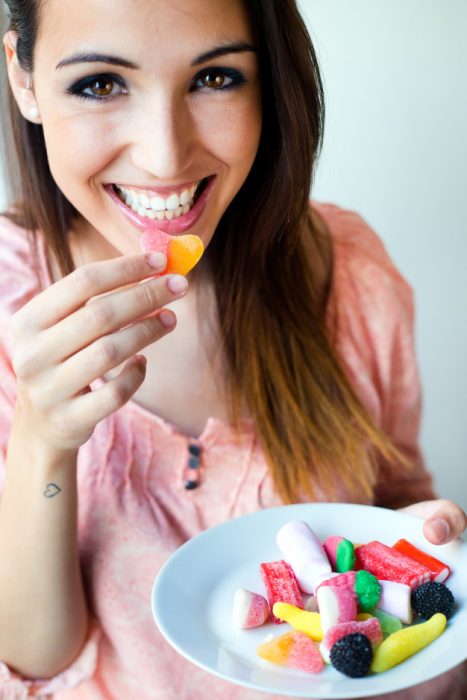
373, 316
18, 284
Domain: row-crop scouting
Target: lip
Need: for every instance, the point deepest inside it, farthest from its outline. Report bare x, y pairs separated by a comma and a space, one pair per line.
173, 226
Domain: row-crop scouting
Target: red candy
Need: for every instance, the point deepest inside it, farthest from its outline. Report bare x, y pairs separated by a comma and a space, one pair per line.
388, 564
281, 585
439, 571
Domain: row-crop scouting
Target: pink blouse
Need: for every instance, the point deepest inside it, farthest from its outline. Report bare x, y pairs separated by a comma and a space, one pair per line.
134, 510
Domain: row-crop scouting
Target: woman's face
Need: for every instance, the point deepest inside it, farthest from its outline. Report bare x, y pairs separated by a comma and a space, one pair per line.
150, 109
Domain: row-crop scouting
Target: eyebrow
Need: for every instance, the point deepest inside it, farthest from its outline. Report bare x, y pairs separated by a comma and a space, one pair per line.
236, 47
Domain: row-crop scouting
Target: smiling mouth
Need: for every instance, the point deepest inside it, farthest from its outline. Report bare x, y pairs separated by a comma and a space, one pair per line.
154, 206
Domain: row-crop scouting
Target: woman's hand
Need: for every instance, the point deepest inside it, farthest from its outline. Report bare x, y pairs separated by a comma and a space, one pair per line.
444, 520
76, 331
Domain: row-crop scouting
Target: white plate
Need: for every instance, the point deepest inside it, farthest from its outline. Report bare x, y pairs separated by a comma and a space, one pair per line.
192, 600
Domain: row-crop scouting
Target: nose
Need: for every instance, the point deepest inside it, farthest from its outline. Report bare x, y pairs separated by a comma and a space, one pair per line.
162, 137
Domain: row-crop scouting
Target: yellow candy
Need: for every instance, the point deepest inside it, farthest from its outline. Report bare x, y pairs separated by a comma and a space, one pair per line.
406, 642
301, 620
361, 617
183, 254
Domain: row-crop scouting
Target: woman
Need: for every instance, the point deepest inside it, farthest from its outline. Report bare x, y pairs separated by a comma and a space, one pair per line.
274, 381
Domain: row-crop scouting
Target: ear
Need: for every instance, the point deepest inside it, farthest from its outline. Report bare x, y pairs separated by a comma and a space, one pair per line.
20, 81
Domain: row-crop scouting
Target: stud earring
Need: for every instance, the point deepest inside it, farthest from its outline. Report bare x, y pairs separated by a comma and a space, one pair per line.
33, 112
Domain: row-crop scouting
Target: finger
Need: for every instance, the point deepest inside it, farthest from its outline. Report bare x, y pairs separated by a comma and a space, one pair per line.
109, 352
445, 524
73, 291
97, 405
112, 312
96, 320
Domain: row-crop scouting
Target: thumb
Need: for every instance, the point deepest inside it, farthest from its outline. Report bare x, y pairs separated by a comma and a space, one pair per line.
445, 524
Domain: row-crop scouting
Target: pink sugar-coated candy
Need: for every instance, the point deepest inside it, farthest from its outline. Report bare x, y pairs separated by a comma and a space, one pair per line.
346, 580
390, 565
336, 605
281, 585
293, 649
302, 549
155, 240
249, 609
395, 599
371, 628
330, 547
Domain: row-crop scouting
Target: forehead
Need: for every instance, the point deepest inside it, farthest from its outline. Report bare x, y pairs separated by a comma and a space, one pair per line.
140, 24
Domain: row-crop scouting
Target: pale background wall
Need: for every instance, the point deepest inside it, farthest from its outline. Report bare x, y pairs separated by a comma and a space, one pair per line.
396, 150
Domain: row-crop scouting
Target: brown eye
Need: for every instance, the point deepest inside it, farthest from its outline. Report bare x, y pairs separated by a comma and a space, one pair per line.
214, 81
101, 87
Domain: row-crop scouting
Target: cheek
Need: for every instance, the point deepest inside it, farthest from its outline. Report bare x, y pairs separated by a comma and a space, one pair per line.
76, 149
233, 135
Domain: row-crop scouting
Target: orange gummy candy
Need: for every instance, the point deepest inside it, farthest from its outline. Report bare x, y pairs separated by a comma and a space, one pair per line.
183, 252
293, 649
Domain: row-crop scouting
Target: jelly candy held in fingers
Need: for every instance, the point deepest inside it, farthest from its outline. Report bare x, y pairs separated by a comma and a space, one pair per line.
249, 609
390, 565
293, 649
439, 571
406, 642
301, 620
280, 584
183, 252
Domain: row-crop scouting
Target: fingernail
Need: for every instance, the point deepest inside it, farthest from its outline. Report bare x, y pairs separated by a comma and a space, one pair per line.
157, 260
177, 284
440, 529
167, 318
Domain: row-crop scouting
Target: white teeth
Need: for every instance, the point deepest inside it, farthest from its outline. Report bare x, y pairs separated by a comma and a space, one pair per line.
157, 207
157, 204
185, 197
173, 202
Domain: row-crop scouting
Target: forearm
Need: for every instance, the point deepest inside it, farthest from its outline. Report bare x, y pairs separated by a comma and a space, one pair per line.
43, 615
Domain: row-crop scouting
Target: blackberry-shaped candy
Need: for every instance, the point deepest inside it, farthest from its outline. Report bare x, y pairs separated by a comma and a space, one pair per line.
431, 598
352, 655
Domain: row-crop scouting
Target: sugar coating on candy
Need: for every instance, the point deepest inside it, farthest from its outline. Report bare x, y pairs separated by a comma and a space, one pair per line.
431, 598
406, 642
371, 628
301, 620
302, 549
293, 649
336, 605
345, 580
281, 584
368, 590
183, 252
389, 623
438, 570
389, 564
352, 655
249, 609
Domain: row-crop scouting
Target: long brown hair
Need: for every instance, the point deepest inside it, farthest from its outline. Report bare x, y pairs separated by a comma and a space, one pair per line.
273, 310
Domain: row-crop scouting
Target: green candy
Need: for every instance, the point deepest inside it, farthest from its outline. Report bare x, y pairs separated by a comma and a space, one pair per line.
345, 556
389, 623
367, 589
